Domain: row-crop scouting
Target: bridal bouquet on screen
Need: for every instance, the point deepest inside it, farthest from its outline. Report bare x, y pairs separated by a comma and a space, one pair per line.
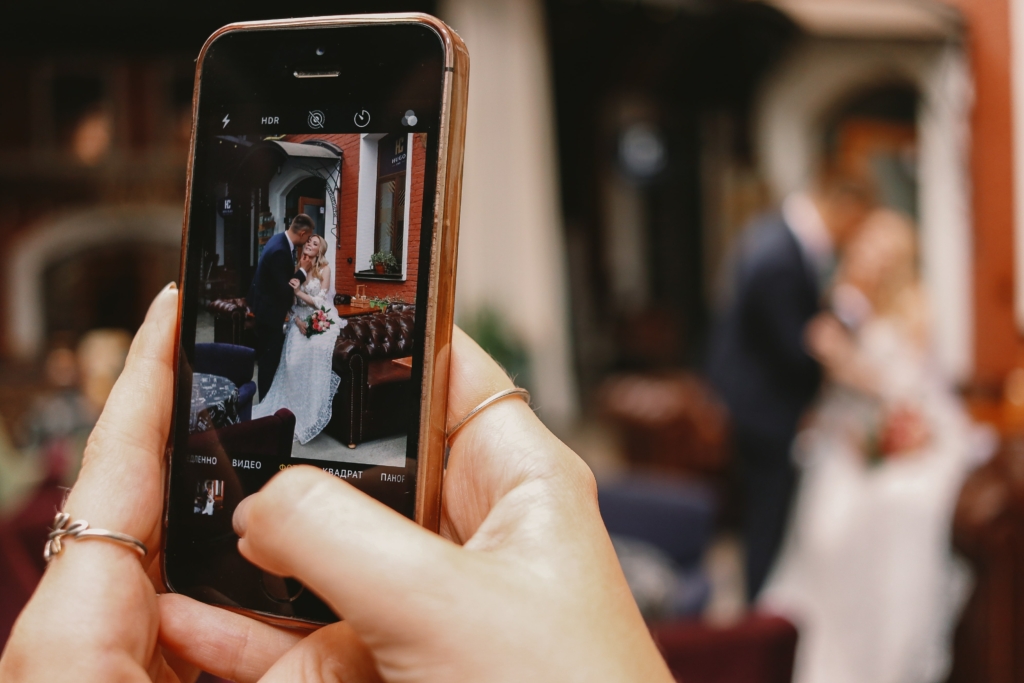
318, 323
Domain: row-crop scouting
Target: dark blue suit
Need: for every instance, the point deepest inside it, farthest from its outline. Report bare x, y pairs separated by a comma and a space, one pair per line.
270, 298
758, 364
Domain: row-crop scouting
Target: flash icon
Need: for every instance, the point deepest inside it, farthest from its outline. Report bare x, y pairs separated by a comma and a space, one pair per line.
226, 121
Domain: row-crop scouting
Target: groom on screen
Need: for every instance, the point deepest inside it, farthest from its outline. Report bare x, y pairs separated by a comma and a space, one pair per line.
271, 297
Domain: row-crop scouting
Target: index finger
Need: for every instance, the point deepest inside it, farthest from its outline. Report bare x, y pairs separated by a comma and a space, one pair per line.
223, 643
502, 447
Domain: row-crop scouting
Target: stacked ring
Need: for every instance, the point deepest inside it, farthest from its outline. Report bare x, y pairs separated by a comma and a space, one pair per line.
64, 528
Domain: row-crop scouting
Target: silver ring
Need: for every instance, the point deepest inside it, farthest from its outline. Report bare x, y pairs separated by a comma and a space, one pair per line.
64, 527
486, 402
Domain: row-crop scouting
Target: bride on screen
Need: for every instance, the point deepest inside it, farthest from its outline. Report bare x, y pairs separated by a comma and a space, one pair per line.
305, 383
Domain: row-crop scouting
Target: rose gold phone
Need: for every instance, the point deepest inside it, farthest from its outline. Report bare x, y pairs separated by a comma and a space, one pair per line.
318, 276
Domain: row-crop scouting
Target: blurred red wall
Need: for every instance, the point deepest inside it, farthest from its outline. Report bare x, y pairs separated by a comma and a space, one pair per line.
997, 341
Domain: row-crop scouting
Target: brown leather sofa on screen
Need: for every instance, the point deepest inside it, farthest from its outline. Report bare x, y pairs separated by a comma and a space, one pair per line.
231, 322
375, 393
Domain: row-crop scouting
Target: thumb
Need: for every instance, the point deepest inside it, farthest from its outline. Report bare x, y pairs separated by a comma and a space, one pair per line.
351, 550
122, 470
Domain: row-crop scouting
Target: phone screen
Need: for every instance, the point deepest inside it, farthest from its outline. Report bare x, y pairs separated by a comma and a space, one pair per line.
305, 288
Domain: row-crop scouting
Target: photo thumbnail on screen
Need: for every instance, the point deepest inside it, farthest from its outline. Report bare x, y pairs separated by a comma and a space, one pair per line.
209, 497
307, 309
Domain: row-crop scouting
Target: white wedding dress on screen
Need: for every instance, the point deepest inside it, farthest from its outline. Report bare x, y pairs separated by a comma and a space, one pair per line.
305, 383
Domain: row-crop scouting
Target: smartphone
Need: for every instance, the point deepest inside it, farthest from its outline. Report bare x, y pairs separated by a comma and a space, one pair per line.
317, 283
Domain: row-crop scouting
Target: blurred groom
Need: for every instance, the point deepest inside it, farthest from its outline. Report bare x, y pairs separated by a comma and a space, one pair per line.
758, 362
270, 296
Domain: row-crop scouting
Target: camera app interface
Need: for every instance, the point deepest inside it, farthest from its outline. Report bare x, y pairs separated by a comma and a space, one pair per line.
305, 327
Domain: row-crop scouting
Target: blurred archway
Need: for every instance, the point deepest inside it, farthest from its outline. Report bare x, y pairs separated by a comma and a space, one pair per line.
873, 133
900, 104
50, 285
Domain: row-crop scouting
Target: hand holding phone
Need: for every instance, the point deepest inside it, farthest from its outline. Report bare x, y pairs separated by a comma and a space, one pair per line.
508, 593
516, 601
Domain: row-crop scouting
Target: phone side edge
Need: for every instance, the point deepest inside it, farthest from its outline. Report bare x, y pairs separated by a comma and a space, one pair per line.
182, 269
441, 295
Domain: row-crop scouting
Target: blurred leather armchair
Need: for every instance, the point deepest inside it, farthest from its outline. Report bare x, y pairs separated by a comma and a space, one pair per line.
670, 422
988, 530
375, 393
759, 649
673, 515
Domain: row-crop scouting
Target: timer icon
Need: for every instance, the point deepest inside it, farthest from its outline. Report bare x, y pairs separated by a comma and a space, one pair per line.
361, 119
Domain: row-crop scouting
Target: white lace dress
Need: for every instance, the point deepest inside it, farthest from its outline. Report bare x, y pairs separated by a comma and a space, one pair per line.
305, 383
867, 572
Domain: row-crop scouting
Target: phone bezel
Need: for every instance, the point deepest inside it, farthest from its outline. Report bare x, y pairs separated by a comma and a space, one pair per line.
440, 283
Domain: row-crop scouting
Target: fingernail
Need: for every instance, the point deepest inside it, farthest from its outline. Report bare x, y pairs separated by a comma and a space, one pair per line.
239, 519
172, 286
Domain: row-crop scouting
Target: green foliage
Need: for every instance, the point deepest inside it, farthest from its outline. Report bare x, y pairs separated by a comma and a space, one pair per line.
488, 328
380, 303
387, 259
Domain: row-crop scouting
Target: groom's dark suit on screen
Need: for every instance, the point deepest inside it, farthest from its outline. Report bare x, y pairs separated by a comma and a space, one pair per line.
270, 297
758, 364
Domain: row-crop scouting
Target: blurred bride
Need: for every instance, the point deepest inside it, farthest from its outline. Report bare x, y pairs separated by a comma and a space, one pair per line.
867, 572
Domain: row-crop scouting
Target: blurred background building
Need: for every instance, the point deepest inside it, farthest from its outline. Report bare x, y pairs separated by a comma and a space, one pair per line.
615, 150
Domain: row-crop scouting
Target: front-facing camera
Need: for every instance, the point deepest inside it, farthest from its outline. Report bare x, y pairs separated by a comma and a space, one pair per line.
320, 52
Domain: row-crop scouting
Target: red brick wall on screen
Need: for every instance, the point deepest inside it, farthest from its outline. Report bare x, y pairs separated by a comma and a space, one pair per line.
348, 200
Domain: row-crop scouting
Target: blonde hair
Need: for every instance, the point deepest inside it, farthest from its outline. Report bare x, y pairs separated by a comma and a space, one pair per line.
881, 262
320, 260
895, 243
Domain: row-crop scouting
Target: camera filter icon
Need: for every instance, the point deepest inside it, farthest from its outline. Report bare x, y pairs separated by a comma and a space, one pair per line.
316, 119
410, 118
